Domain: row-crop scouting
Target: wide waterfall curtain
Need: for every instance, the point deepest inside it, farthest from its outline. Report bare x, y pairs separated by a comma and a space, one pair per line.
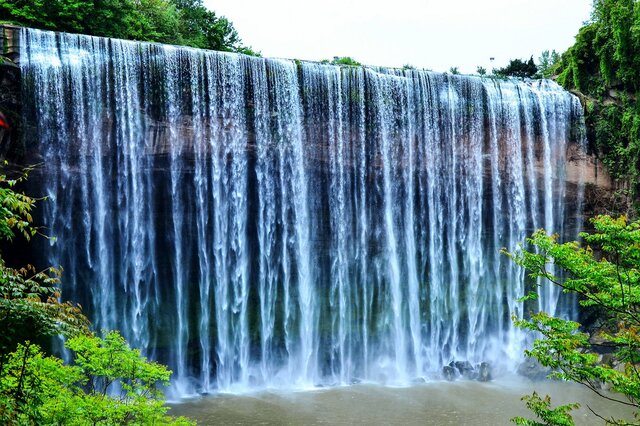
257, 222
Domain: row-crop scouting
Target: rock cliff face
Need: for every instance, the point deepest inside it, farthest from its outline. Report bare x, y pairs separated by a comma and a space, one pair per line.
10, 91
580, 166
253, 221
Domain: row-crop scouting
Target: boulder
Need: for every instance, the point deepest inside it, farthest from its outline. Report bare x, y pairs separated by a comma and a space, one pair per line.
533, 370
465, 369
484, 372
449, 373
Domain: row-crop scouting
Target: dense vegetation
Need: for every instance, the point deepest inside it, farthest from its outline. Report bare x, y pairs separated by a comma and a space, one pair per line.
182, 22
342, 60
605, 274
518, 68
38, 388
603, 66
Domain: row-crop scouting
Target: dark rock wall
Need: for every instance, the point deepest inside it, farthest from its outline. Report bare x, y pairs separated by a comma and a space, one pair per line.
10, 94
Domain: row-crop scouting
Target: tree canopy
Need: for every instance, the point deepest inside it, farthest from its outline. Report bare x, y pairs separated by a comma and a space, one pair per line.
181, 22
518, 68
36, 388
605, 274
548, 63
342, 60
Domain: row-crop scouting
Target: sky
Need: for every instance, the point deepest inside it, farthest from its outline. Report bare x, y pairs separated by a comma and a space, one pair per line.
431, 34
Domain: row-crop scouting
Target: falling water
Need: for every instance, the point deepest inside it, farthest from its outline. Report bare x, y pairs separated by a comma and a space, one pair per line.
257, 222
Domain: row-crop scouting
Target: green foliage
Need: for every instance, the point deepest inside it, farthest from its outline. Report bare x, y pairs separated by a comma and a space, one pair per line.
185, 22
547, 64
66, 15
605, 274
15, 209
30, 306
542, 409
518, 68
616, 130
604, 65
481, 71
343, 60
454, 70
200, 27
40, 389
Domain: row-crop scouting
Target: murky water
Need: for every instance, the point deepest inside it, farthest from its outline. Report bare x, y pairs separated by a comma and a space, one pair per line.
435, 403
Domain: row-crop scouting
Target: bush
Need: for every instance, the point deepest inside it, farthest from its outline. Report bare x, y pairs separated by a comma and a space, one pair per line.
108, 383
40, 389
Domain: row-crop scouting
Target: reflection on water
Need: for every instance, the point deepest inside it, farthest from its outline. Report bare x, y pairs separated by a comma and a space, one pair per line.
436, 403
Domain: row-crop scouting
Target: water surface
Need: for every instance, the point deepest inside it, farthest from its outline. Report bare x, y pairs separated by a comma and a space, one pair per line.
435, 403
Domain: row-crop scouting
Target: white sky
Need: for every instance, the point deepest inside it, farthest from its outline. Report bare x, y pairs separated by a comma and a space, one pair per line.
432, 34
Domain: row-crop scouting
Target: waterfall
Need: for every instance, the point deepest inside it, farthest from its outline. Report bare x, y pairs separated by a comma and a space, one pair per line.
259, 222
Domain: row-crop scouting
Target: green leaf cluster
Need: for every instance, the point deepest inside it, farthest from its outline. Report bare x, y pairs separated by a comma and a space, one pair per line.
30, 306
15, 209
108, 383
181, 22
547, 64
542, 408
342, 60
518, 68
40, 389
604, 272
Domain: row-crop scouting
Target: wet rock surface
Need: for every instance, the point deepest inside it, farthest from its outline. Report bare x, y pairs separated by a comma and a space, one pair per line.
465, 370
533, 370
10, 93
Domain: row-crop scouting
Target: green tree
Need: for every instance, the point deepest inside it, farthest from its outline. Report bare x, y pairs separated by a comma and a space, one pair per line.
30, 306
153, 20
62, 15
605, 274
541, 407
40, 389
481, 71
518, 68
343, 60
547, 64
186, 22
454, 70
201, 28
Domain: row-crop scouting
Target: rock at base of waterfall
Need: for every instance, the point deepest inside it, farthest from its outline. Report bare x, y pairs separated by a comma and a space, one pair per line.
533, 370
484, 372
449, 373
465, 369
